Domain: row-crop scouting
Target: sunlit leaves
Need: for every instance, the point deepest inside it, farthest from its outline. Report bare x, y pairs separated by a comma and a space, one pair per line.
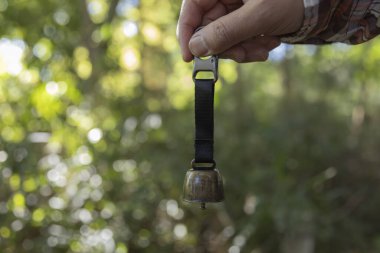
13, 134
11, 56
152, 35
129, 9
38, 215
96, 130
82, 64
120, 84
129, 28
170, 44
61, 17
30, 185
46, 104
5, 232
14, 182
97, 10
130, 58
180, 86
7, 115
228, 71
18, 201
43, 49
29, 76
165, 16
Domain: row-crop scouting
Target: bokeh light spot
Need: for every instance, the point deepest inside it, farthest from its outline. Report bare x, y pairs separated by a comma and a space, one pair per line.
38, 215
95, 135
129, 29
130, 59
180, 231
11, 56
152, 34
5, 232
61, 17
3, 156
43, 49
56, 203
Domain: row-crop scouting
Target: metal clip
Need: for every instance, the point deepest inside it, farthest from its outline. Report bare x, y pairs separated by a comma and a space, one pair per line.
209, 64
205, 64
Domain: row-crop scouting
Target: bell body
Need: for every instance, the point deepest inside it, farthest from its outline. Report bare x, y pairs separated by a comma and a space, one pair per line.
203, 185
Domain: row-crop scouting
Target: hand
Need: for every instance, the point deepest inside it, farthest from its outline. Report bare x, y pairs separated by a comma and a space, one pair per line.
243, 31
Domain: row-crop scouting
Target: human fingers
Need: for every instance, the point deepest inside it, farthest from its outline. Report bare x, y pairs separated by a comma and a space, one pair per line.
256, 49
252, 19
217, 11
190, 18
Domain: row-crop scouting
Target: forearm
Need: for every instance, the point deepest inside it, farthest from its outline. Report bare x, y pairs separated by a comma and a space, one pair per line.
327, 21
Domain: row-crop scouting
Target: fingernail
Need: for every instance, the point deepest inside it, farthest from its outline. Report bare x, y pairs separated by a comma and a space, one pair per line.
197, 46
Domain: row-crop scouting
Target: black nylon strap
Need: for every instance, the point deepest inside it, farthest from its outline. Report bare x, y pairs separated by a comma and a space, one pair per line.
204, 120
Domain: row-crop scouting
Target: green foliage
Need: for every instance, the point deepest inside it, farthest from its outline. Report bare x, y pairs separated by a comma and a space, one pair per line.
96, 136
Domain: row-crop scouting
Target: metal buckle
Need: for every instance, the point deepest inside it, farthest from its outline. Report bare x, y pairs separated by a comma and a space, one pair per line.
209, 64
203, 165
205, 64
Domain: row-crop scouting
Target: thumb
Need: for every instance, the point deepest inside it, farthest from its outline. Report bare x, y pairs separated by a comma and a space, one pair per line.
217, 36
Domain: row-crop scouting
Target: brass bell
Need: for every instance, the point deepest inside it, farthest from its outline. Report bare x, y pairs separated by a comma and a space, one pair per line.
202, 185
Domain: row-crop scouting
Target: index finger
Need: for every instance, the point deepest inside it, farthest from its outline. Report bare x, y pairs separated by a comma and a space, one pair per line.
190, 18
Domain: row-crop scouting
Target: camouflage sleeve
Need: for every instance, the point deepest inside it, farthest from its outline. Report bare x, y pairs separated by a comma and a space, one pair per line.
328, 21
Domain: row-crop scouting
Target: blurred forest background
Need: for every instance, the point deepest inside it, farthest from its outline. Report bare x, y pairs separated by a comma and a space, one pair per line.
96, 134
